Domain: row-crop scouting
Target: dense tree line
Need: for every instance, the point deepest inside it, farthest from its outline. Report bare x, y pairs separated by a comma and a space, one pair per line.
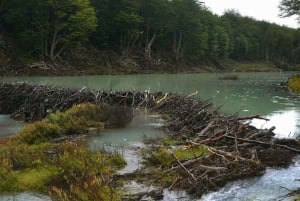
174, 29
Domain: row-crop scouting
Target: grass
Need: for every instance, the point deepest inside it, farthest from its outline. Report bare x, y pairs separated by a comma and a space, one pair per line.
159, 159
294, 83
36, 179
162, 156
68, 170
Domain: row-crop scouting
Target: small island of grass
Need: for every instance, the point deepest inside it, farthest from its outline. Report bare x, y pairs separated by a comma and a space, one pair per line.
46, 157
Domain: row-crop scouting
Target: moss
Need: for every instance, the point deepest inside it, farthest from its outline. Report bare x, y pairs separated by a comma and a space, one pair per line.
36, 179
294, 83
169, 141
190, 153
162, 157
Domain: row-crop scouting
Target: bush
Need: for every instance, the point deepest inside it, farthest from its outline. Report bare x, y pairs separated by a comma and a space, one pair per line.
77, 119
37, 132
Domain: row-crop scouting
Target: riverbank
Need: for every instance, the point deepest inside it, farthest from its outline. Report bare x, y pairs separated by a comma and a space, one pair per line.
206, 151
118, 66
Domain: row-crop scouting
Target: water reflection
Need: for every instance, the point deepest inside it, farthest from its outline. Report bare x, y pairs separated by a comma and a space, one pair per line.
287, 123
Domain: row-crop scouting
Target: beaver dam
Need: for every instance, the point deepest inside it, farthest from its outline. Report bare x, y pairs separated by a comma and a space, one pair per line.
205, 149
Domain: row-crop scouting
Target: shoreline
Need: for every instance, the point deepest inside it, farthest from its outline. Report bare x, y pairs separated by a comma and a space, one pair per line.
227, 67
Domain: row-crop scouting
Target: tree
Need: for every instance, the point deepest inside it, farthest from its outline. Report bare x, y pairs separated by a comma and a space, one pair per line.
50, 26
156, 15
69, 23
289, 8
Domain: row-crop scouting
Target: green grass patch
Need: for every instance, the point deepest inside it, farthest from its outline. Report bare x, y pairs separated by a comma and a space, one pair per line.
36, 179
294, 83
162, 156
190, 153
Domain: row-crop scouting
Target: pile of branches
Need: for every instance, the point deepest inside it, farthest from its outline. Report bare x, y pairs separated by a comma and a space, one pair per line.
237, 149
30, 103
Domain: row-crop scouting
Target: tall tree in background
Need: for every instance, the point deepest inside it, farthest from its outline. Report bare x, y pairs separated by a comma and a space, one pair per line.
289, 8
49, 26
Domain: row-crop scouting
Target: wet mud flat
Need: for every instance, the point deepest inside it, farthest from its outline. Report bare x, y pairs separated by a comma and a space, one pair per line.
234, 148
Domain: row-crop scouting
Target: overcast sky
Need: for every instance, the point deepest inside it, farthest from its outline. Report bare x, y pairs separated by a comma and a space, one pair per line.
259, 9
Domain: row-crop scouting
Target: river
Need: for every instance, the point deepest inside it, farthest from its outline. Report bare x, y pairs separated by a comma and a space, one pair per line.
252, 93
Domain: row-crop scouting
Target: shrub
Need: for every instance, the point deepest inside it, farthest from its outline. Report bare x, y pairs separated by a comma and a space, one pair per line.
77, 119
37, 132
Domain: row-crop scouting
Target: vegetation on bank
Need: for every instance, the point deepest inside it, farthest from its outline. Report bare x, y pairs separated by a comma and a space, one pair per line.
135, 36
294, 83
38, 159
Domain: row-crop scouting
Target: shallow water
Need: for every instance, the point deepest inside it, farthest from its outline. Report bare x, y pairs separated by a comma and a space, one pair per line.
9, 126
130, 139
27, 196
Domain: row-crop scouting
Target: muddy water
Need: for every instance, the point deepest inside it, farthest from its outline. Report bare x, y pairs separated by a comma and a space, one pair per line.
253, 93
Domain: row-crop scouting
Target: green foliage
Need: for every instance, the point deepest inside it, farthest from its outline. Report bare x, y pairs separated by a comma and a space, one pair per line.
47, 27
178, 30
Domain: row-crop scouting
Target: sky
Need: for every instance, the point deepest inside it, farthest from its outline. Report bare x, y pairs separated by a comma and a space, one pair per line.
266, 10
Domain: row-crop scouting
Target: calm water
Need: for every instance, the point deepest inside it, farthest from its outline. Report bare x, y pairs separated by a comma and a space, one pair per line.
253, 93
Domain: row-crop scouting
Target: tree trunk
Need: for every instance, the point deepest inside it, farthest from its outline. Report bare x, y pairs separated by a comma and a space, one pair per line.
148, 47
179, 45
53, 44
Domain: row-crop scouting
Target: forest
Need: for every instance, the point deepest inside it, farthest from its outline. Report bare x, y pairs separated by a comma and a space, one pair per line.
154, 31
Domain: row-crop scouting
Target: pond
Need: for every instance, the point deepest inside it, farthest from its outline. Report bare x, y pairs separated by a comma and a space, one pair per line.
251, 94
